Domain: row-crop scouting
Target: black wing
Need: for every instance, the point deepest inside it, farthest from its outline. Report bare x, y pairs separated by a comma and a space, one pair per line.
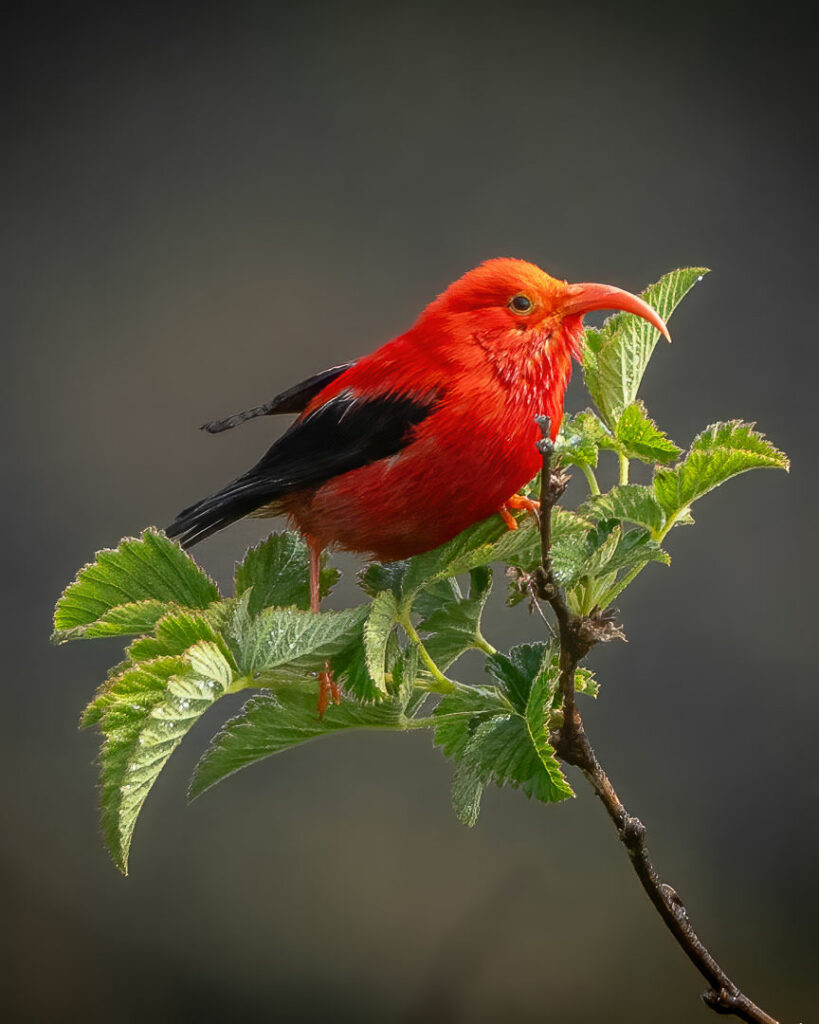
344, 434
295, 399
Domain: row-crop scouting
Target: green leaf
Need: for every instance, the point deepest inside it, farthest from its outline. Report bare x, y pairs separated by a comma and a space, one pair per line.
378, 576
487, 542
579, 440
137, 687
404, 674
490, 742
528, 666
608, 548
521, 547
124, 620
467, 790
207, 661
278, 571
482, 544
137, 579
281, 643
616, 356
455, 627
585, 549
350, 671
538, 706
141, 736
270, 723
584, 682
630, 503
381, 620
569, 559
501, 750
642, 439
175, 633
431, 599
608, 551
636, 547
474, 547
720, 452
517, 671
602, 543
458, 714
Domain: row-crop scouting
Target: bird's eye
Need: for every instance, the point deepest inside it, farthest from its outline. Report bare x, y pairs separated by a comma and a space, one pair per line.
521, 304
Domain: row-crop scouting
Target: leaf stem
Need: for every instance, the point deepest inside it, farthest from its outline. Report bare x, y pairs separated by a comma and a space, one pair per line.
621, 584
672, 519
430, 685
444, 685
624, 468
431, 721
588, 472
483, 644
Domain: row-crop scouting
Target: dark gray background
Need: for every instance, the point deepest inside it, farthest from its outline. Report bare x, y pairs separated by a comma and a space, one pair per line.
202, 204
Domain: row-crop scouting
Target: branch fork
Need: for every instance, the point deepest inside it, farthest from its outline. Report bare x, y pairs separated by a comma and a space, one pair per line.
578, 634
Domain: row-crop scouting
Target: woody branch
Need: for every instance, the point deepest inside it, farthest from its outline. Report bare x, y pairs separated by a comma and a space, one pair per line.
577, 635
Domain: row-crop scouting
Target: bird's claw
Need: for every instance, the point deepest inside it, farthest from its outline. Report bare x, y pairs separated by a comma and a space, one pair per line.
507, 517
520, 501
517, 502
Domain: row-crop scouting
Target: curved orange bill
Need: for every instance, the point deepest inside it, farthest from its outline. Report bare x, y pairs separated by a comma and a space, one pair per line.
583, 298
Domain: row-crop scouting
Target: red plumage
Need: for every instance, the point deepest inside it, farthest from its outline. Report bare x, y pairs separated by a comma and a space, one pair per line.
477, 447
403, 449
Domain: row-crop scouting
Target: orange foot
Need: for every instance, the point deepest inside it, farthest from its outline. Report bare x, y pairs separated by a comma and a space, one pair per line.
517, 501
328, 690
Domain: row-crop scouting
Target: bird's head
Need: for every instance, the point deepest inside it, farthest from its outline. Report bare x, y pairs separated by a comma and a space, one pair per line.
515, 306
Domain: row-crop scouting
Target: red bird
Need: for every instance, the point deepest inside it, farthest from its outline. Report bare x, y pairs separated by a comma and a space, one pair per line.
401, 450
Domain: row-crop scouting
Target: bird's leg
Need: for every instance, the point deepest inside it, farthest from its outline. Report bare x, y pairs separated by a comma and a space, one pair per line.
517, 501
328, 688
315, 574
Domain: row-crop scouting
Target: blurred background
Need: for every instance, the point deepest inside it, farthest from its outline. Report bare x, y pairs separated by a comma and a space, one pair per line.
201, 205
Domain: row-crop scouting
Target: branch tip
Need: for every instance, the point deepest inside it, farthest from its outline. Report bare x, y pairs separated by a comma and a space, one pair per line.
545, 424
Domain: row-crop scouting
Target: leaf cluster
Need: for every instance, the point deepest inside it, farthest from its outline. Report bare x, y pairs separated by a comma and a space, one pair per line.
393, 653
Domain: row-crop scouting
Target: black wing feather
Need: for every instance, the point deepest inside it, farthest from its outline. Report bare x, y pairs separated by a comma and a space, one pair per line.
344, 434
295, 399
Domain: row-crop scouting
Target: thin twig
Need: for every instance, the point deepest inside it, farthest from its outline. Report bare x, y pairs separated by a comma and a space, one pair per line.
578, 634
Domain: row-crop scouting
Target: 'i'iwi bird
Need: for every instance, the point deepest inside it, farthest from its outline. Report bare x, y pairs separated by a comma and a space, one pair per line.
399, 451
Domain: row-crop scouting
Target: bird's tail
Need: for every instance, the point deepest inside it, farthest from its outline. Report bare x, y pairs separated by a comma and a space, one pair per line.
241, 498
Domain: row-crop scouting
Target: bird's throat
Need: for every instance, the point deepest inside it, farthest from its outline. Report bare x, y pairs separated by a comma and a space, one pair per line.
531, 360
